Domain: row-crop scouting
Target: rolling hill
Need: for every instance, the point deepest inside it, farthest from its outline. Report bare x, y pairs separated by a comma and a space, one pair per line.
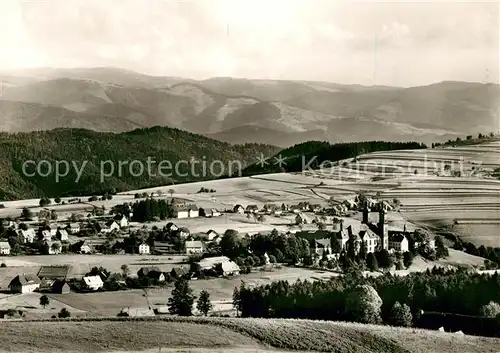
243, 110
230, 335
77, 146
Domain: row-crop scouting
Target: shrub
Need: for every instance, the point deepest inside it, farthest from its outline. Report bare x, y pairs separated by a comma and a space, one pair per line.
400, 315
363, 304
491, 310
64, 313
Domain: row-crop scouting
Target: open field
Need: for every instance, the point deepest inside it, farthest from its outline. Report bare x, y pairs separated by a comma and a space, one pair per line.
220, 289
241, 335
81, 264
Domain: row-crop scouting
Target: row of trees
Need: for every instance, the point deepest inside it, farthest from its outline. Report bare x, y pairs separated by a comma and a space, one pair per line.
350, 298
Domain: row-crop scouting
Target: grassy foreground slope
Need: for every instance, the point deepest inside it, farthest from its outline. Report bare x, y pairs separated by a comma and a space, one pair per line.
210, 333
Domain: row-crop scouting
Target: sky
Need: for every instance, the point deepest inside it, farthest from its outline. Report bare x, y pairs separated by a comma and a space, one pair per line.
370, 43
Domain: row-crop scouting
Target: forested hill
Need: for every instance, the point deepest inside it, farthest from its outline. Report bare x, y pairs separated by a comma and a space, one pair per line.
314, 153
78, 146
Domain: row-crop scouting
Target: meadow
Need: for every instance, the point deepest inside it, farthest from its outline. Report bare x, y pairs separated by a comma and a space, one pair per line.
226, 334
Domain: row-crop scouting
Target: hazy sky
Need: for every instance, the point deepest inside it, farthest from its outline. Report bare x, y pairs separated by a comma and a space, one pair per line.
347, 42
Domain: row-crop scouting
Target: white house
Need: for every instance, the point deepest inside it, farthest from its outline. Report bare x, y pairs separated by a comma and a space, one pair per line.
193, 212
369, 238
74, 228
62, 235
110, 226
4, 248
194, 247
171, 227
238, 209
93, 282
183, 232
181, 213
28, 235
230, 268
144, 249
86, 248
53, 229
24, 284
122, 221
211, 234
398, 242
46, 235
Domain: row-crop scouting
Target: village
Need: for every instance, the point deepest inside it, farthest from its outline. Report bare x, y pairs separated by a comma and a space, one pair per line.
330, 231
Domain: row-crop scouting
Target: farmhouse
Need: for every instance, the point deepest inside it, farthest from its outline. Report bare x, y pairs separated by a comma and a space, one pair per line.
60, 287
152, 273
46, 235
238, 209
93, 282
315, 208
179, 272
28, 235
190, 211
194, 247
171, 227
53, 229
84, 247
161, 247
110, 226
4, 248
122, 221
209, 212
211, 235
144, 249
62, 235
252, 209
24, 284
183, 233
229, 268
209, 262
74, 228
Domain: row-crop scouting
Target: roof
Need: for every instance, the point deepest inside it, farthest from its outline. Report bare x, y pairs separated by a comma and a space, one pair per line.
397, 237
237, 206
110, 223
119, 217
179, 271
368, 234
162, 244
194, 244
184, 230
24, 279
210, 262
74, 225
53, 272
4, 245
170, 225
145, 271
323, 243
93, 280
252, 207
230, 266
62, 232
58, 284
53, 226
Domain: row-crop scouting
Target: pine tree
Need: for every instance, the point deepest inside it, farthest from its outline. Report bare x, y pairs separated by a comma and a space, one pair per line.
182, 299
204, 304
371, 262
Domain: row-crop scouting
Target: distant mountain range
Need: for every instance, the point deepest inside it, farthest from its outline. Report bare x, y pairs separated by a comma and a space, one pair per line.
275, 112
